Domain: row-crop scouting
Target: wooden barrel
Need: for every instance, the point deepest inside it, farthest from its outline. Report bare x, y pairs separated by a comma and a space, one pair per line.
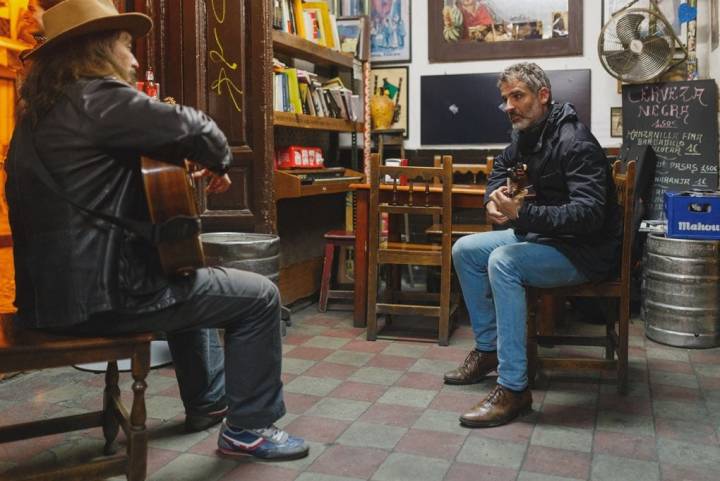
681, 291
259, 253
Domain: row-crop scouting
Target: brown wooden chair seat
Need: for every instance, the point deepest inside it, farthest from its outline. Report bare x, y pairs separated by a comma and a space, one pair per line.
340, 235
27, 349
614, 341
333, 240
414, 200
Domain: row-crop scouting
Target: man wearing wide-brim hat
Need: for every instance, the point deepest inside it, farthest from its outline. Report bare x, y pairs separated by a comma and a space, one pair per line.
84, 262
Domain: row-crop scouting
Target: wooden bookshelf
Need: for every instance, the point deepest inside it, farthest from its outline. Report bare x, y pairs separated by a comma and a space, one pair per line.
302, 121
295, 46
294, 195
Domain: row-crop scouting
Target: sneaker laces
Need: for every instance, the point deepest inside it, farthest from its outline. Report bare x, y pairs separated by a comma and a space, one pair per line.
273, 433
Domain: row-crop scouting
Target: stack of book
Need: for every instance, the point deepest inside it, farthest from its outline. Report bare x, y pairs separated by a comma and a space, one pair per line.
301, 92
307, 19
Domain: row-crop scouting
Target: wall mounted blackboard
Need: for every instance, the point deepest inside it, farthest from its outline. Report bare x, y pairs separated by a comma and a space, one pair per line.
679, 121
463, 109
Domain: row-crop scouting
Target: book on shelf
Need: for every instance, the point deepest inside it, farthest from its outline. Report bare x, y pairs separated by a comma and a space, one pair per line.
303, 92
311, 20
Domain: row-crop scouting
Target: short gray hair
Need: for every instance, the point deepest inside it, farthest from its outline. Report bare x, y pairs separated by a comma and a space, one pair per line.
528, 72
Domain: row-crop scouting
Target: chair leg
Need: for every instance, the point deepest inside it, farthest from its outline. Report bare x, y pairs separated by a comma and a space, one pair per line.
137, 435
622, 348
326, 275
610, 346
111, 423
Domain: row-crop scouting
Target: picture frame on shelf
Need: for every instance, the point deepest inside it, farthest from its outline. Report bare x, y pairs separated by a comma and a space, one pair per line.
318, 16
351, 8
351, 33
395, 81
390, 31
477, 30
616, 126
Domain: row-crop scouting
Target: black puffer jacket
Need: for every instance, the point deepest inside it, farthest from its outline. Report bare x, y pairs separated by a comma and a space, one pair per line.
70, 265
576, 208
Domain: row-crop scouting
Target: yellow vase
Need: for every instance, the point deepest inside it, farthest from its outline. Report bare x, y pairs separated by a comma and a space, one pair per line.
382, 109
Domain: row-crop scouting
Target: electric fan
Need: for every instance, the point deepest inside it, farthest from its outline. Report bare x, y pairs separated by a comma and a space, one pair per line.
638, 45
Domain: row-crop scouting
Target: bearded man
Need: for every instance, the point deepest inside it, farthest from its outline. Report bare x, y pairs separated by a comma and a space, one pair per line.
570, 233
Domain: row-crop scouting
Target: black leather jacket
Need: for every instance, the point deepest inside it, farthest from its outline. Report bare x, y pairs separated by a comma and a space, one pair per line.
576, 207
69, 264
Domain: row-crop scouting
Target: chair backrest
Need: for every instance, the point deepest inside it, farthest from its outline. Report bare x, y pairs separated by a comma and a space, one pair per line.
476, 170
413, 190
625, 187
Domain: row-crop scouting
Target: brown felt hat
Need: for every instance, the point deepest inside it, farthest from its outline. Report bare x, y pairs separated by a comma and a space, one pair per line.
73, 18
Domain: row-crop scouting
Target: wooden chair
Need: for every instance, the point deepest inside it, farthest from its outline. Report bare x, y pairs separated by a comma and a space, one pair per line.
333, 240
27, 349
615, 342
413, 199
475, 170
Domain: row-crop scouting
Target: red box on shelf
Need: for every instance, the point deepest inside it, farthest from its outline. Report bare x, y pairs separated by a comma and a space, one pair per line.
298, 157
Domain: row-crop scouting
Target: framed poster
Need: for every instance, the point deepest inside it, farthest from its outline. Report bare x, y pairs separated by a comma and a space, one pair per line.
390, 31
393, 81
461, 30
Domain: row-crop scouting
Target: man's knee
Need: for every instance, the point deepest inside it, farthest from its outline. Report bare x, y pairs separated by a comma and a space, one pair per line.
501, 262
459, 249
271, 294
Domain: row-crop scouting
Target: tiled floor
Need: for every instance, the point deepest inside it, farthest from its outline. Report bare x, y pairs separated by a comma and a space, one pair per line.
379, 411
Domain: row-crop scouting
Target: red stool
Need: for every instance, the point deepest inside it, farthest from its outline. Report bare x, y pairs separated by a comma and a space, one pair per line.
333, 239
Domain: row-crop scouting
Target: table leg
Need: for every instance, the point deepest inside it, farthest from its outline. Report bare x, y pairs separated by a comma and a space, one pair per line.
361, 267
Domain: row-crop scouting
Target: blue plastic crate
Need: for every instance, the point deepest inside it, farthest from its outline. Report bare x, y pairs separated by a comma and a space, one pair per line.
693, 215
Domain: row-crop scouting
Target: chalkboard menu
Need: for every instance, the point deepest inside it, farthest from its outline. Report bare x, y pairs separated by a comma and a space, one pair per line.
679, 121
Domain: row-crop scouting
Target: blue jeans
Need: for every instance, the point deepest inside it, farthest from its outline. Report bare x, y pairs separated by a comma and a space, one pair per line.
494, 268
246, 373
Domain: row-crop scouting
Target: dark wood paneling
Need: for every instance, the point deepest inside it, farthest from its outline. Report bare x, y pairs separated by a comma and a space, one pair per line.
214, 55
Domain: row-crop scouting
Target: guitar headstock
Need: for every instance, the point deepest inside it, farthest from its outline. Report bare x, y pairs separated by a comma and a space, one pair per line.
518, 180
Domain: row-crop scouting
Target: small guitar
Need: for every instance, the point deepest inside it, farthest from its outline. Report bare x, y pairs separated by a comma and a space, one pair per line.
517, 182
170, 194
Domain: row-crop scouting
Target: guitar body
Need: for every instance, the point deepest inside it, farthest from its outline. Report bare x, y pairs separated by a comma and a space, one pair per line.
170, 192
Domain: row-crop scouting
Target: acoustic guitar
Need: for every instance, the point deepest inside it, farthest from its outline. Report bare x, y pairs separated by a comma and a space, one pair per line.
170, 193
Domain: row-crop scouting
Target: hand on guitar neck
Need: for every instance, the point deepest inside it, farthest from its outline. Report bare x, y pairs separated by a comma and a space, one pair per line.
505, 202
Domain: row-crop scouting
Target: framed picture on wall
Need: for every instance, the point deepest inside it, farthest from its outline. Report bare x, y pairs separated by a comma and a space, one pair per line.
390, 31
616, 126
393, 82
351, 33
350, 8
494, 29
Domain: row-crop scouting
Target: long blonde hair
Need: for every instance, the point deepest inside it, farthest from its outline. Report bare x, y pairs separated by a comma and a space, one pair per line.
52, 70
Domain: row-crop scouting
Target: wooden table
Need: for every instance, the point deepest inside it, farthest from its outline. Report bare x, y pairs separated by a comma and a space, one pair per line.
466, 196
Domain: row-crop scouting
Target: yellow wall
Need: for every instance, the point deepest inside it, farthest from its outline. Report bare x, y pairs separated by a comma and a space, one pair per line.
10, 13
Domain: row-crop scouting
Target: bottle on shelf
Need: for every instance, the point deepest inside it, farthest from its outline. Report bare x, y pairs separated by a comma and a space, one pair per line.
152, 89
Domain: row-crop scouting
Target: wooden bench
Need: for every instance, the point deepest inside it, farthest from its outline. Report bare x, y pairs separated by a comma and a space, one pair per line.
27, 349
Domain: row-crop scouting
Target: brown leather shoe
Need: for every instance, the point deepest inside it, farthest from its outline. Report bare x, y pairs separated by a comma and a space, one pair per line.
499, 407
476, 366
